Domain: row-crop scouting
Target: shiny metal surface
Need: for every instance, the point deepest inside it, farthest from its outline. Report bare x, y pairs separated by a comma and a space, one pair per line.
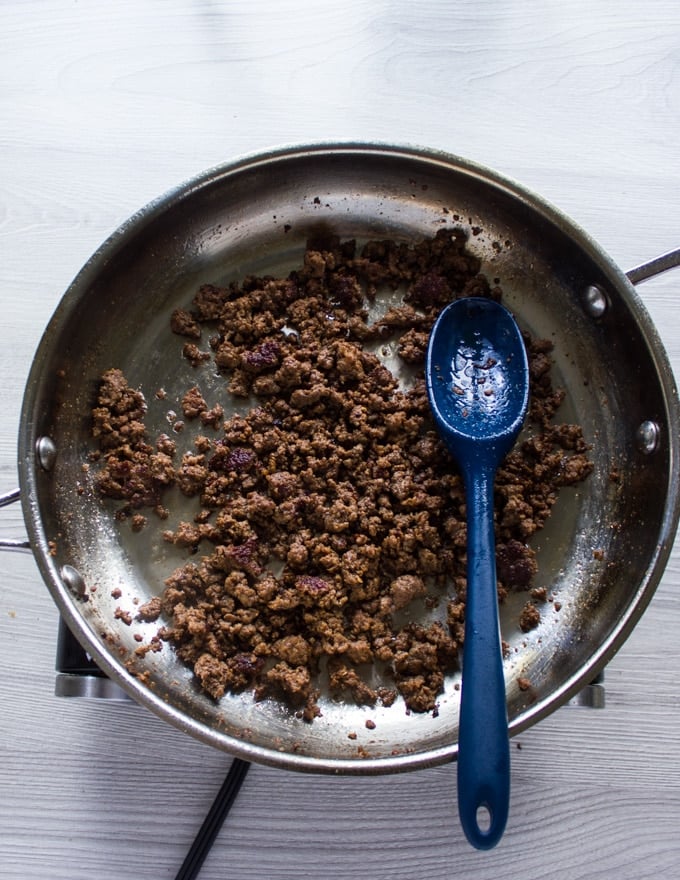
46, 453
600, 556
12, 543
662, 263
88, 687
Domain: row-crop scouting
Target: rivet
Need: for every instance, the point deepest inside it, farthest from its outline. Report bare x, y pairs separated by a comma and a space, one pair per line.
647, 437
73, 580
595, 301
46, 452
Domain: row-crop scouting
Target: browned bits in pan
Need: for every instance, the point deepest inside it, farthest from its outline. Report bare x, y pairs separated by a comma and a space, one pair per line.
332, 520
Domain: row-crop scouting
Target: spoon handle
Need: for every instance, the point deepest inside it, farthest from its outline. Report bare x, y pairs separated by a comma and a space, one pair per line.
483, 750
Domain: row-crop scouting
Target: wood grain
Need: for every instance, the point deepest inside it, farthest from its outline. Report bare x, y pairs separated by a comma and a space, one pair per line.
106, 106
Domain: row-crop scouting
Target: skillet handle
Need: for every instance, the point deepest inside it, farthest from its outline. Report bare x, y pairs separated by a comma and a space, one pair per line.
12, 543
671, 260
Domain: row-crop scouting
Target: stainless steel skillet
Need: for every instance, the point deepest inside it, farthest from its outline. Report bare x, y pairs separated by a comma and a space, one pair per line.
601, 555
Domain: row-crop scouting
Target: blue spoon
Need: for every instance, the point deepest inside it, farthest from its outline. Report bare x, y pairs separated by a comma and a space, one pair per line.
478, 384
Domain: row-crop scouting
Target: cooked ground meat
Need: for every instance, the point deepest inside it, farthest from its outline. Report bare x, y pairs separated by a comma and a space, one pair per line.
529, 618
406, 588
184, 324
194, 354
336, 477
132, 470
150, 610
118, 419
193, 403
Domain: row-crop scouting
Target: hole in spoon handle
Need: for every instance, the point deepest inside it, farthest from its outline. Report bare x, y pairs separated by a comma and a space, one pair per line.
484, 817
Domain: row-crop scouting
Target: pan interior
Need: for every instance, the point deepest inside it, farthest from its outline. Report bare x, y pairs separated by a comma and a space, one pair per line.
599, 556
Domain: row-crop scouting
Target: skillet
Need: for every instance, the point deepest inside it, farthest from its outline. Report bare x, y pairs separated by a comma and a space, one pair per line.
603, 551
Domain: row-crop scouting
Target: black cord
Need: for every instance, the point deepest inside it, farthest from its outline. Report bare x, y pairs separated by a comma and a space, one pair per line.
217, 813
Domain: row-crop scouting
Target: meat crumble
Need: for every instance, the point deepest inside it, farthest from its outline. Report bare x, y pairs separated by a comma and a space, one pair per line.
331, 517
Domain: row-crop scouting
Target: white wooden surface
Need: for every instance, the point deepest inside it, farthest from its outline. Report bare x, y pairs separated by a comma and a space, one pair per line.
104, 106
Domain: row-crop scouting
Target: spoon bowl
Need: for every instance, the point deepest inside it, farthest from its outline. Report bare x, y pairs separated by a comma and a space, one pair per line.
477, 375
477, 378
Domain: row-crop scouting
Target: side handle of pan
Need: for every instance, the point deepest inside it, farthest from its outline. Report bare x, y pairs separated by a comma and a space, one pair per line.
671, 260
12, 543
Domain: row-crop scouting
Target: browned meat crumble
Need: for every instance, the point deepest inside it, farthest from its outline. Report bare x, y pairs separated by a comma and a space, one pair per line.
336, 475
